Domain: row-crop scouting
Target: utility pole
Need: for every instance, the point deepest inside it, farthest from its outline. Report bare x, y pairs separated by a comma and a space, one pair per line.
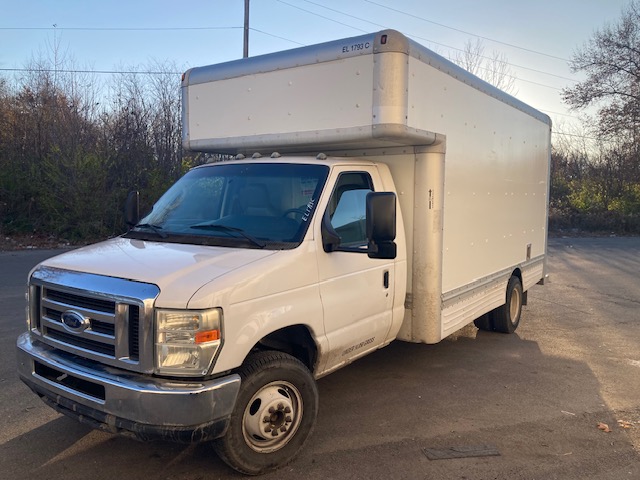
245, 52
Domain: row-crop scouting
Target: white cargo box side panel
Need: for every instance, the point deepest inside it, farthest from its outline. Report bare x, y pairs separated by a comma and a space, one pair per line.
288, 101
347, 94
496, 175
495, 187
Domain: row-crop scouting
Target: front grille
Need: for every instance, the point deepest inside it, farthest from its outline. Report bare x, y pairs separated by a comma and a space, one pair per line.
98, 338
96, 325
103, 327
109, 314
134, 332
83, 343
81, 301
88, 388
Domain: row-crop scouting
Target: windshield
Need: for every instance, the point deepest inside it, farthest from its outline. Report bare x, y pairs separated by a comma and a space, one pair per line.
257, 205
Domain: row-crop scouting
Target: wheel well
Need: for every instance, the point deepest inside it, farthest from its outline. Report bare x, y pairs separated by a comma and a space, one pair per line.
518, 273
295, 340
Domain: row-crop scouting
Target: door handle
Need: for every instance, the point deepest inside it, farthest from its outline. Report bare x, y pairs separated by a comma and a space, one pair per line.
385, 279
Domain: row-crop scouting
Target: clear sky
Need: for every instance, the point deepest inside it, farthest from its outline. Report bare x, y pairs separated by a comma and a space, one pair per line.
537, 37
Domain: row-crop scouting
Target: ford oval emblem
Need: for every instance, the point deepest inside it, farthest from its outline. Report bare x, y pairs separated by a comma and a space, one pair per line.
74, 322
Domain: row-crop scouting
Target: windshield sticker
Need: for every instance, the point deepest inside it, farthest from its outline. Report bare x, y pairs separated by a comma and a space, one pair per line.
309, 209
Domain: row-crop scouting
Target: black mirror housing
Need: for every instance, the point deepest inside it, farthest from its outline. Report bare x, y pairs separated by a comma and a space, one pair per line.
381, 225
132, 209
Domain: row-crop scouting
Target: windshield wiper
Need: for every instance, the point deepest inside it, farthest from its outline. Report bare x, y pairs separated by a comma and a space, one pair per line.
226, 228
157, 229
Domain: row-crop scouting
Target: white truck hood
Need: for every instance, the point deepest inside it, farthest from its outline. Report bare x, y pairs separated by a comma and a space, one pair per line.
179, 270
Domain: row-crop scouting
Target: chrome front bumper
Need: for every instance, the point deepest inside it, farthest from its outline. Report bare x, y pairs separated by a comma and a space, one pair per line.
124, 402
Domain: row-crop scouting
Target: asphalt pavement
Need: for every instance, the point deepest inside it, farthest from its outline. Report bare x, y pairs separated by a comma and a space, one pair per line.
532, 405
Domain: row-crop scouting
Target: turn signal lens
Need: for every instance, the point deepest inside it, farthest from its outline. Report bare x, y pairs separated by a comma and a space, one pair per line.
208, 336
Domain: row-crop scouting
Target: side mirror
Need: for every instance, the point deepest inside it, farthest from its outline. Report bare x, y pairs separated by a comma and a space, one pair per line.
381, 225
132, 209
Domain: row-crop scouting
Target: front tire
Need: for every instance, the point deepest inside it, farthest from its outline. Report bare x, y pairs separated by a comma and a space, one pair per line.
505, 319
274, 414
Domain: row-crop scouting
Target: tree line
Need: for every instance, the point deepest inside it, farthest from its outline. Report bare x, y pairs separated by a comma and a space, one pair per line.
73, 145
595, 184
595, 188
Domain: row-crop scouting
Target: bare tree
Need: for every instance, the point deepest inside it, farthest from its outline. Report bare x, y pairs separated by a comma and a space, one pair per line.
611, 62
472, 57
164, 90
493, 69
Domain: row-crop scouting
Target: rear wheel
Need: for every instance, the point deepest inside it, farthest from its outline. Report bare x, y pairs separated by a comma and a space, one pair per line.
274, 414
506, 318
484, 323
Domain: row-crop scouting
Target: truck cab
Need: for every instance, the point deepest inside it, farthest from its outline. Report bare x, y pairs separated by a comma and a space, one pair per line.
236, 258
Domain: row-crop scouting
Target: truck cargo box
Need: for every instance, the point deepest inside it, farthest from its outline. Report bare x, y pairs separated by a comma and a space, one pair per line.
470, 163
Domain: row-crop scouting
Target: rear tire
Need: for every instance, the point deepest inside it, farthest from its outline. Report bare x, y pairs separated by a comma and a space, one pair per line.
274, 414
505, 319
484, 323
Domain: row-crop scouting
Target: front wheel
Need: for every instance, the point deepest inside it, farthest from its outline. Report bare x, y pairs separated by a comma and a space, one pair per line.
506, 318
274, 414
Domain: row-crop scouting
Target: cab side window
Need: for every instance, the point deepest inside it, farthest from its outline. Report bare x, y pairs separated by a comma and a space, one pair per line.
347, 209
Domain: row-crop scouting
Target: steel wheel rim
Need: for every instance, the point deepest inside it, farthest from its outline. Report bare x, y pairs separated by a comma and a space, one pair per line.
514, 305
272, 417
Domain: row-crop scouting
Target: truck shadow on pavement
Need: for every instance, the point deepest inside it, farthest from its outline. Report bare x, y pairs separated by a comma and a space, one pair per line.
541, 412
379, 414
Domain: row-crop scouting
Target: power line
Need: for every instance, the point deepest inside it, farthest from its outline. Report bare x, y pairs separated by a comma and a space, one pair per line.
124, 72
427, 40
444, 45
322, 16
118, 29
209, 28
56, 28
562, 134
341, 13
467, 33
558, 113
275, 36
99, 72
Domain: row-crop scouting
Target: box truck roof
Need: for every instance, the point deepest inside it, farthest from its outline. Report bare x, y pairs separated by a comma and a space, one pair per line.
355, 93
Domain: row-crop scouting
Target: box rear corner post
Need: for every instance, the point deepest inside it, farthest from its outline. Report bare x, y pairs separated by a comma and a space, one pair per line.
426, 274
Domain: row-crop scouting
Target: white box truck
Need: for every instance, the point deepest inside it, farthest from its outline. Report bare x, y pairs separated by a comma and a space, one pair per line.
407, 199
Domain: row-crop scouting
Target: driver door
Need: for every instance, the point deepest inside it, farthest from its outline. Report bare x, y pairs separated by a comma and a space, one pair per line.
356, 291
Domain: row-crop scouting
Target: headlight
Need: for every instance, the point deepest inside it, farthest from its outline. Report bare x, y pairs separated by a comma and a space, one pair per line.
187, 341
